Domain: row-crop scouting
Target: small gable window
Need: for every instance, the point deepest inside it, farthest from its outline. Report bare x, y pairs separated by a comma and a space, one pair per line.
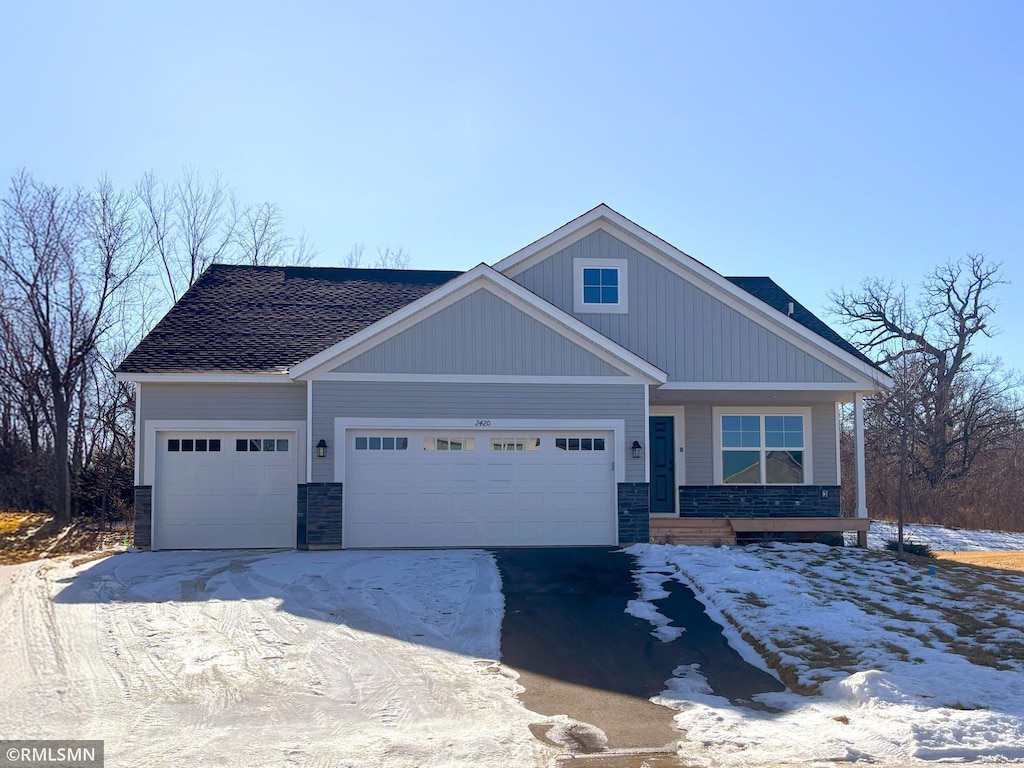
600, 285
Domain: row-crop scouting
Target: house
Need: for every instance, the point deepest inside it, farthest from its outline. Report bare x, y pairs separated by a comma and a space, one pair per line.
591, 388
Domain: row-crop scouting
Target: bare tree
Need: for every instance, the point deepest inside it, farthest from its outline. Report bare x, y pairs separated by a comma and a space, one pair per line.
65, 256
188, 225
260, 239
950, 402
392, 259
354, 258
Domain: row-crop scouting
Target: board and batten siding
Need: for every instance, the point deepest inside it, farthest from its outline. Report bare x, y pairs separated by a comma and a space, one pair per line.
675, 325
480, 334
221, 402
823, 437
398, 400
699, 459
700, 444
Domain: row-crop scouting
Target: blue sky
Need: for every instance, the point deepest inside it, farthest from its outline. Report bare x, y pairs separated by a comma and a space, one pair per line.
819, 143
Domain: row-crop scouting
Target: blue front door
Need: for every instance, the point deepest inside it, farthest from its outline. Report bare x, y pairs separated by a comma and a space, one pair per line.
663, 465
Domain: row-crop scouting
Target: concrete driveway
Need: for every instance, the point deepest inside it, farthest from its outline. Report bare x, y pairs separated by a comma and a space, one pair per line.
565, 631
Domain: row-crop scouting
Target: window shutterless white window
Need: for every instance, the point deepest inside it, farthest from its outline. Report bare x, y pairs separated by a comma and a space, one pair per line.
600, 285
767, 448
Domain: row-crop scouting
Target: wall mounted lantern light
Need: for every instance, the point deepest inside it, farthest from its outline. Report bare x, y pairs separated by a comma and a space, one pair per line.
321, 448
637, 449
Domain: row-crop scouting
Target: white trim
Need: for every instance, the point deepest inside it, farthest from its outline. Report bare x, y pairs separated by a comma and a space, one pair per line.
839, 446
580, 307
226, 378
138, 433
484, 277
716, 431
645, 453
309, 431
216, 425
458, 378
688, 268
464, 426
858, 432
762, 386
678, 414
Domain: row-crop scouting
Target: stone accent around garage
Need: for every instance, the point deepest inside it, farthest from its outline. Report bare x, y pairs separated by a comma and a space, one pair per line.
143, 516
634, 512
759, 501
320, 516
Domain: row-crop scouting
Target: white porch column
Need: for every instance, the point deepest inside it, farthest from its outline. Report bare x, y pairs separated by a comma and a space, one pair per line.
858, 430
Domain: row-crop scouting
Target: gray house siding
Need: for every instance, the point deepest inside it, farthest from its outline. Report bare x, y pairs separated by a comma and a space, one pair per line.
823, 435
674, 324
699, 459
227, 402
399, 400
480, 334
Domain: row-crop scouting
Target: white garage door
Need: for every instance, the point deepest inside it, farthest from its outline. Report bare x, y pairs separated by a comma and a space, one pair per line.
224, 490
441, 489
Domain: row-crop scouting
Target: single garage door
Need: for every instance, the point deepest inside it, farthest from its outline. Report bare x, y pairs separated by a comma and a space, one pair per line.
439, 489
224, 490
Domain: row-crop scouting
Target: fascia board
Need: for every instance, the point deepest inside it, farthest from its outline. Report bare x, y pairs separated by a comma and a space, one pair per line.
211, 378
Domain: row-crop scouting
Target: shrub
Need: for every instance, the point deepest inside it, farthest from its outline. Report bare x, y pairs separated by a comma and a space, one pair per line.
910, 548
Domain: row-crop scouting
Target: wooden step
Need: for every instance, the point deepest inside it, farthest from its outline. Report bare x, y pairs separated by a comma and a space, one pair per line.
700, 531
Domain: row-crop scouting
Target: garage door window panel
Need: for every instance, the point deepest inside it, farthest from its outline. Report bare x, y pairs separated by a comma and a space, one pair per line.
448, 443
381, 443
515, 444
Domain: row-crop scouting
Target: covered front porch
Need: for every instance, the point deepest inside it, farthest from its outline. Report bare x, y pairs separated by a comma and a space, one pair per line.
741, 462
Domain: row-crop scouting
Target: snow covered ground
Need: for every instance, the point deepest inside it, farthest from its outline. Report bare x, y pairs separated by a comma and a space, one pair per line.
897, 662
269, 659
388, 658
942, 539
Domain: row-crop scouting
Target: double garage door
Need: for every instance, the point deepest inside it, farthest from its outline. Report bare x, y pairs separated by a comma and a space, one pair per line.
225, 490
440, 489
403, 488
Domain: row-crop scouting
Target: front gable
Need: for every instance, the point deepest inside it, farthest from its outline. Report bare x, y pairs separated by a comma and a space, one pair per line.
682, 316
482, 334
480, 326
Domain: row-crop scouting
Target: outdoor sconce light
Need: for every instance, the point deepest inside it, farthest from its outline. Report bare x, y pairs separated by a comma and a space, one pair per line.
637, 449
321, 448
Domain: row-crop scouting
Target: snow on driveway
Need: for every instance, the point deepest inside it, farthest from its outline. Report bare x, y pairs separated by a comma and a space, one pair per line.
281, 658
899, 661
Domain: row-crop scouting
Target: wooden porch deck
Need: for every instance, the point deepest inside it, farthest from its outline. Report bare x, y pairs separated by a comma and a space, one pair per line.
723, 530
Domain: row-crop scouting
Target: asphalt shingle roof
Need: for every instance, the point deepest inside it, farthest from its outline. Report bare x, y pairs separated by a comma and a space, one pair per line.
244, 319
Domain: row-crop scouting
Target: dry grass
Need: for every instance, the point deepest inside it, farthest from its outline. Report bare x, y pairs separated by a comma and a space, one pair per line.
1007, 561
27, 536
15, 523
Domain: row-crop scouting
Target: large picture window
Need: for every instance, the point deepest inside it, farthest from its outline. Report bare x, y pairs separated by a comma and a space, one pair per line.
763, 449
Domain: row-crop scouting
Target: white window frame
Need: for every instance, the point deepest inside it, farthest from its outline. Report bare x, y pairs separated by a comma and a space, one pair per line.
716, 421
579, 306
